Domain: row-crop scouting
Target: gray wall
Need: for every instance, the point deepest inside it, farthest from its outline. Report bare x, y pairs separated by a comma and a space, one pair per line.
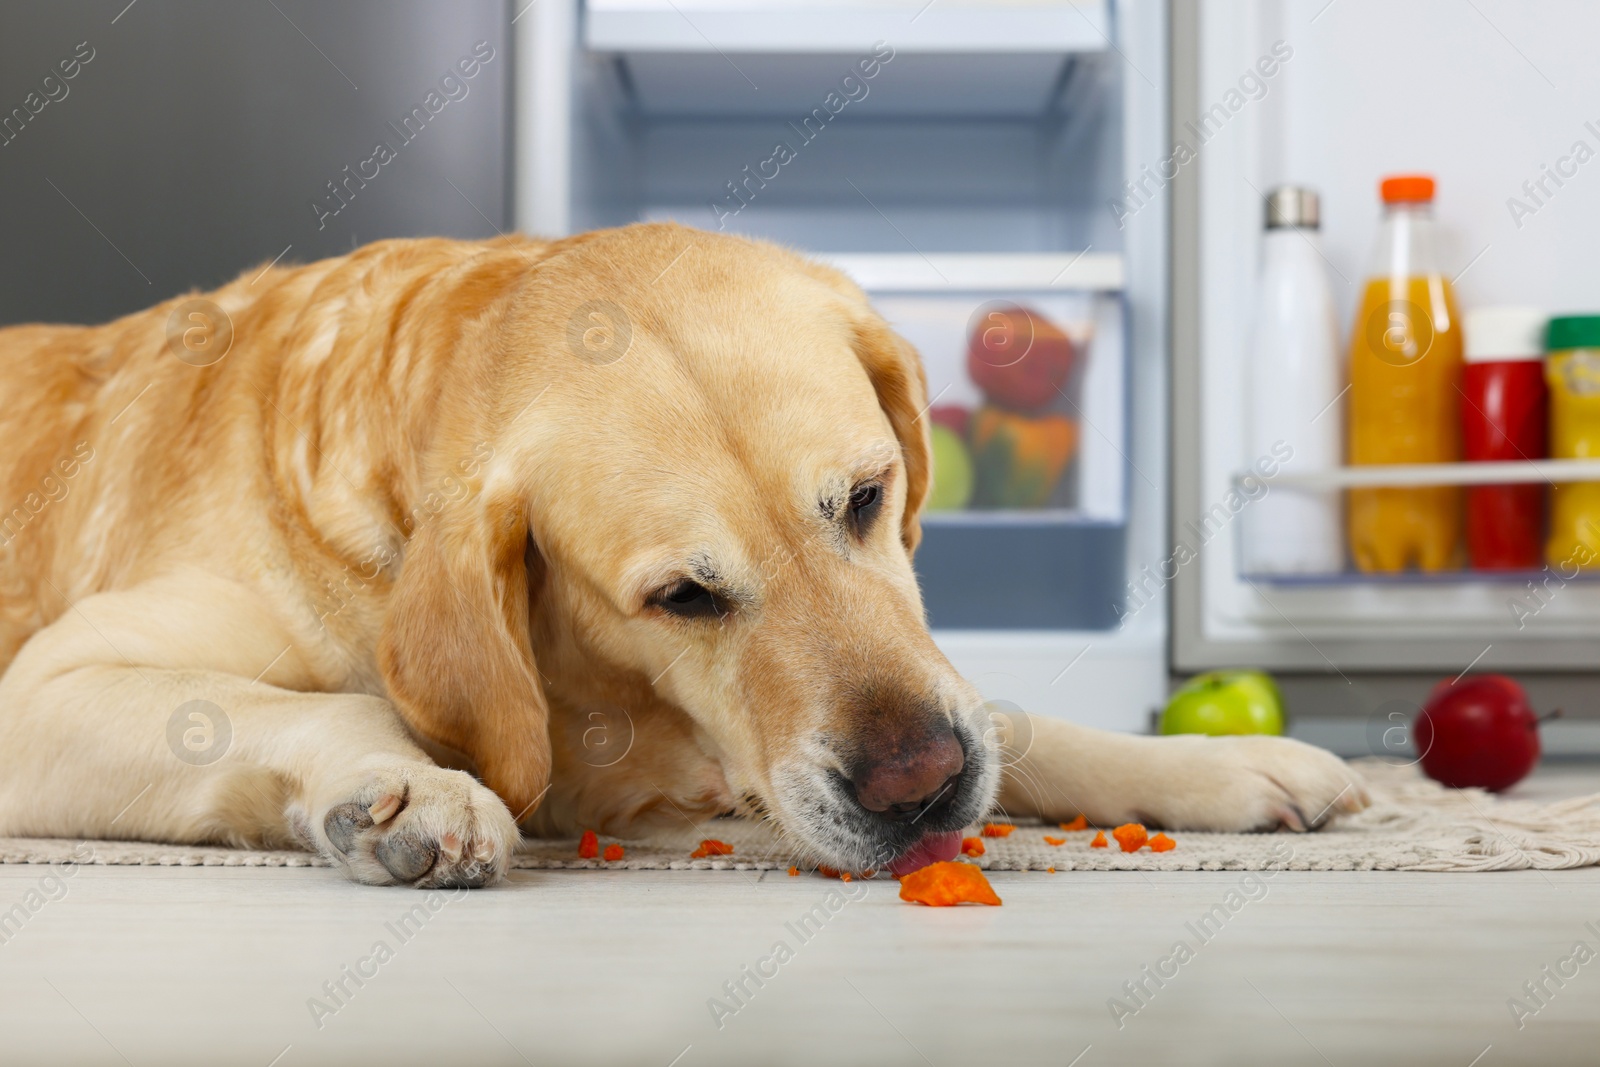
193, 144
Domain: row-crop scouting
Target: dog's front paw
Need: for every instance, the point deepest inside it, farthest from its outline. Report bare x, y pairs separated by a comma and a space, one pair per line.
412, 824
1235, 784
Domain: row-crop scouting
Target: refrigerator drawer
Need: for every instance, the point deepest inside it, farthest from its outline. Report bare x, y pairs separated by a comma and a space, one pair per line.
1026, 365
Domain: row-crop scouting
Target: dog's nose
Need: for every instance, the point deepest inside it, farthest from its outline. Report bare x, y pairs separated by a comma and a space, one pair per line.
910, 780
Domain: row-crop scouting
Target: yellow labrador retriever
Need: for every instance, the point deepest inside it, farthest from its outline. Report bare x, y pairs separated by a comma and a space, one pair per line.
276, 559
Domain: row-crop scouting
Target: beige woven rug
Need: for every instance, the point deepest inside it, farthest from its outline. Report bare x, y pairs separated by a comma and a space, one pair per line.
1412, 825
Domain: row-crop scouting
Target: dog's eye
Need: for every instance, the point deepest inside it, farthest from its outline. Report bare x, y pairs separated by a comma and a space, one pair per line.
689, 600
864, 504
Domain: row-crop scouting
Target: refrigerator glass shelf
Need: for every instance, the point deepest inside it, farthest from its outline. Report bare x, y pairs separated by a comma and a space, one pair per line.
821, 26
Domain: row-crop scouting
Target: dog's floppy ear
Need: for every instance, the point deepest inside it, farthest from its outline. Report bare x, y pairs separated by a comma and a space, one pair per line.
896, 373
455, 650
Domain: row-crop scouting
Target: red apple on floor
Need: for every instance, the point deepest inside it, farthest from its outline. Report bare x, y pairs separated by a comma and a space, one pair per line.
1479, 731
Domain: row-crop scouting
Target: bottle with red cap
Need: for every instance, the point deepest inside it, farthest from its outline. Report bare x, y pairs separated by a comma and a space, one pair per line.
1503, 418
1405, 377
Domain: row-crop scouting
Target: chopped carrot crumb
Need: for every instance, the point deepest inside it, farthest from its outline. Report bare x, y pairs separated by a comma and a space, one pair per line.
940, 885
588, 845
1080, 823
844, 876
827, 872
1058, 841
613, 852
1099, 840
711, 847
1050, 870
794, 872
1131, 836
1162, 843
997, 829
972, 846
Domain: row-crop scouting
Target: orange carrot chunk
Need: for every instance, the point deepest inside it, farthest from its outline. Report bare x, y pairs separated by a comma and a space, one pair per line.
588, 845
1080, 823
1131, 836
997, 829
1162, 843
794, 872
1099, 840
711, 847
972, 846
1058, 841
940, 885
613, 852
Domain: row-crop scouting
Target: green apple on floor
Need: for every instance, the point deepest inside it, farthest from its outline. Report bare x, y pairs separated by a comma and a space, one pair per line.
1225, 702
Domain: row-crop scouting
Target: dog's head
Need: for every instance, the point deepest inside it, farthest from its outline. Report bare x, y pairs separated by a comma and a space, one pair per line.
706, 459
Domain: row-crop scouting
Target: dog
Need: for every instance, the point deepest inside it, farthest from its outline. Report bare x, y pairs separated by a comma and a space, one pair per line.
358, 556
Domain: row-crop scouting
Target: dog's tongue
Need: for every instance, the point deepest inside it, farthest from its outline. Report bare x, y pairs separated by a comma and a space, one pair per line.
934, 848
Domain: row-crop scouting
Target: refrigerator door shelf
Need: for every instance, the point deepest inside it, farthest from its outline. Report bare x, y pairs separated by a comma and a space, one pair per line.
1249, 485
1452, 579
1429, 474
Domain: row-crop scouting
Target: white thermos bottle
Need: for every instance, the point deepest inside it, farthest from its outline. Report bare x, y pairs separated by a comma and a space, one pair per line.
1294, 377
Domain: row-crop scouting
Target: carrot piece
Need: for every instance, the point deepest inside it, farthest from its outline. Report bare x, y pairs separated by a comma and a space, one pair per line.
844, 876
613, 852
1131, 836
997, 829
1050, 870
1080, 823
711, 847
827, 872
972, 846
794, 872
1099, 840
940, 885
1162, 843
1058, 841
588, 845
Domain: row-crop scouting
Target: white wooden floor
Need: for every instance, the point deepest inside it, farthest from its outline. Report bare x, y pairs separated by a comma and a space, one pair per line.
183, 966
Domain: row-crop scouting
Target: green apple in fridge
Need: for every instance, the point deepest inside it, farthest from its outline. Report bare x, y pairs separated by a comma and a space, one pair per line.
1225, 702
952, 471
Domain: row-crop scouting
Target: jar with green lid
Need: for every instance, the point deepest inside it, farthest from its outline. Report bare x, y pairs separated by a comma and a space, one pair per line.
1572, 371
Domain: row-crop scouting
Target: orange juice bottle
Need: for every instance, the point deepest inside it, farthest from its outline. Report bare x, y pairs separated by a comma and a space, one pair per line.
1405, 373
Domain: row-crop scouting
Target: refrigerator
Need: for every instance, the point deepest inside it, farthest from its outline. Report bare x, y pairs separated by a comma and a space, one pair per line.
1103, 164
963, 163
1488, 97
